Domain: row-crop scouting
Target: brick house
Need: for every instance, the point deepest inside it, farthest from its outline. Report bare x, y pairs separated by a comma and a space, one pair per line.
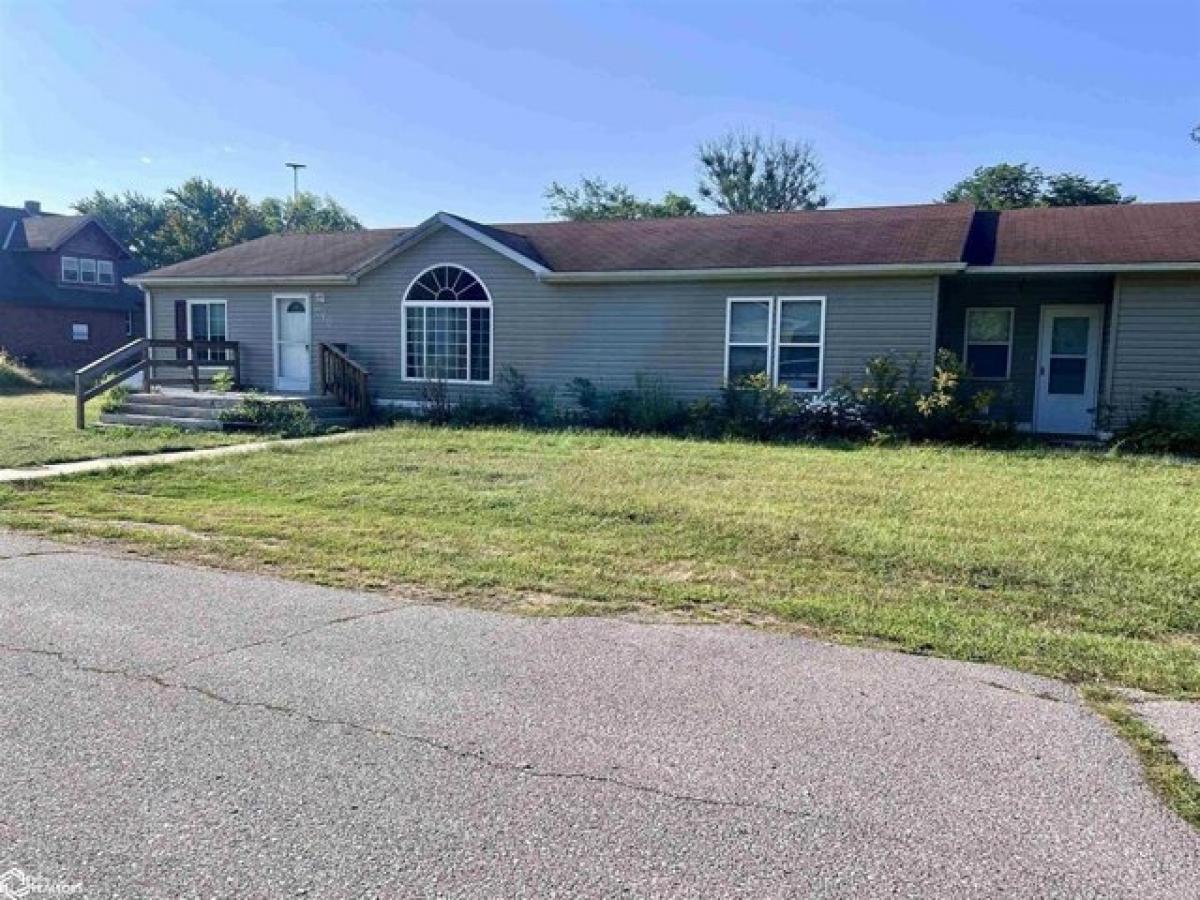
63, 301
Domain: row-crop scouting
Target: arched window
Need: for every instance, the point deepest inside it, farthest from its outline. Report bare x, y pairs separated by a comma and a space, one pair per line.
447, 327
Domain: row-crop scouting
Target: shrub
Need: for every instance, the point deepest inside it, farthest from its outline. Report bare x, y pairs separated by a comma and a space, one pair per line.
435, 399
222, 381
527, 407
290, 419
754, 408
1170, 423
647, 407
113, 399
893, 402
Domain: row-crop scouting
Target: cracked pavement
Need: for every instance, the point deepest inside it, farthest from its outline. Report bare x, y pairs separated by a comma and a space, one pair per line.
174, 731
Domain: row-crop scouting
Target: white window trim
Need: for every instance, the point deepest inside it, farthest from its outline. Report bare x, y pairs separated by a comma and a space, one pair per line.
765, 343
772, 343
106, 264
1012, 327
820, 345
405, 305
87, 263
200, 301
64, 268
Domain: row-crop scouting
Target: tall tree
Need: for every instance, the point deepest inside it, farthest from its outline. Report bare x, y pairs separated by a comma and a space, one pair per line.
134, 219
198, 217
748, 173
1020, 185
595, 198
203, 217
307, 212
1069, 189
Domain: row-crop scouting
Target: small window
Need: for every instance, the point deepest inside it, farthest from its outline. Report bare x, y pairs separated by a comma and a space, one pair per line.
80, 331
129, 323
989, 343
800, 326
104, 271
87, 271
206, 322
70, 269
748, 338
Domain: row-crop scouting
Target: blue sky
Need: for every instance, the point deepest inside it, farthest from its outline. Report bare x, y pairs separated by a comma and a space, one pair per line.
400, 109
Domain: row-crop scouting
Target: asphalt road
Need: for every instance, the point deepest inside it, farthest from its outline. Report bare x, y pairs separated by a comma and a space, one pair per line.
169, 731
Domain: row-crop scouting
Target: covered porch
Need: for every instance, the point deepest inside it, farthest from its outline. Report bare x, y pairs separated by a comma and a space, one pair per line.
1040, 343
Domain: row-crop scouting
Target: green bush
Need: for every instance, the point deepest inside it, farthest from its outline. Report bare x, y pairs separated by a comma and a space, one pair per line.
893, 402
113, 399
1170, 423
527, 406
222, 381
289, 419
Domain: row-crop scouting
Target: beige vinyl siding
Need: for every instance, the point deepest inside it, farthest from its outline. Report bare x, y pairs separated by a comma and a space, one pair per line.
1157, 340
553, 333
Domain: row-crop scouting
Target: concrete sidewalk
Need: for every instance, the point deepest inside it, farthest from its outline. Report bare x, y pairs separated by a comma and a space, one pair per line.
170, 731
56, 470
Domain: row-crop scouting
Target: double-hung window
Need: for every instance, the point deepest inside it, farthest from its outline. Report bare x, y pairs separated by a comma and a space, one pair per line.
988, 342
206, 322
70, 269
748, 344
104, 272
798, 335
447, 327
780, 337
87, 270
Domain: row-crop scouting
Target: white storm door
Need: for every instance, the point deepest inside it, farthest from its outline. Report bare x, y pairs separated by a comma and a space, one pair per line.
1068, 369
293, 359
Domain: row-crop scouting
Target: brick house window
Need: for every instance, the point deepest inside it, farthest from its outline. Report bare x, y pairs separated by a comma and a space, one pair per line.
87, 270
80, 331
104, 272
70, 268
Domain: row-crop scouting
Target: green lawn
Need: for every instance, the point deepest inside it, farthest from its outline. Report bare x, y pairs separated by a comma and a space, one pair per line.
39, 427
1069, 564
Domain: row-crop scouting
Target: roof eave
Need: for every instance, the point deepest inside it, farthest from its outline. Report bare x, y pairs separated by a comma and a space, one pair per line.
1082, 268
756, 272
236, 280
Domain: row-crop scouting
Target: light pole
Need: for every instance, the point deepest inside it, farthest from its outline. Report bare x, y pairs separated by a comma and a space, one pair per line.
295, 167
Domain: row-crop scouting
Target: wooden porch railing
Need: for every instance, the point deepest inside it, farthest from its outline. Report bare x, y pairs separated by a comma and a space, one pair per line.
346, 380
139, 357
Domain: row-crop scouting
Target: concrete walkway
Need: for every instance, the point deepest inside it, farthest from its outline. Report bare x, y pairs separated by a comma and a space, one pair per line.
55, 470
174, 731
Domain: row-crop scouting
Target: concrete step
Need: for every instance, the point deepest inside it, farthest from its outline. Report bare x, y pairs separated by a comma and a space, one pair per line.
184, 422
176, 411
223, 401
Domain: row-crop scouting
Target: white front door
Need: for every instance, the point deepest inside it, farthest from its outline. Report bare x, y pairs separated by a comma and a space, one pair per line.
293, 361
1068, 373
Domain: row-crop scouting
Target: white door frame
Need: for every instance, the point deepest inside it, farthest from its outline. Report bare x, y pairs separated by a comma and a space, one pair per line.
278, 383
1091, 393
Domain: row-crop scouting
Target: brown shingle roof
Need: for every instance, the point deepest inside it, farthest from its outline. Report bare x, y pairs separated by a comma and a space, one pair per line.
327, 253
897, 235
885, 235
832, 237
1099, 235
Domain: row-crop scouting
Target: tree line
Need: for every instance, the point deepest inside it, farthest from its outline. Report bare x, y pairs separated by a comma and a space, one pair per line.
743, 173
199, 217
